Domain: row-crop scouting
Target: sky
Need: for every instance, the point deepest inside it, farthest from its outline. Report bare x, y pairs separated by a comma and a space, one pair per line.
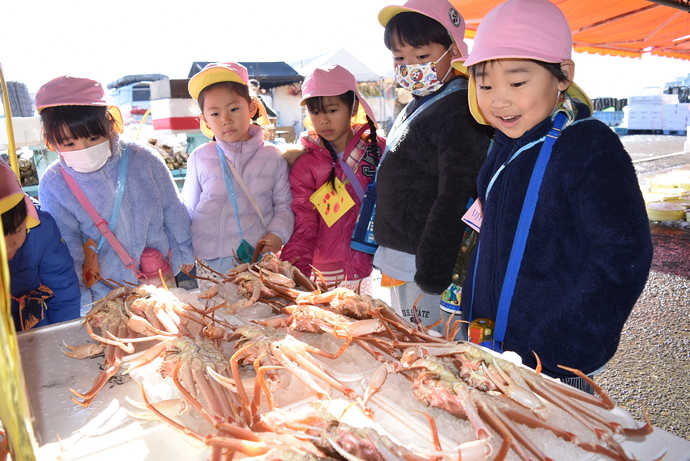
105, 41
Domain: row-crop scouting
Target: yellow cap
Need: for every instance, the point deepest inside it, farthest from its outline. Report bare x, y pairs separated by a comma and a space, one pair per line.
217, 72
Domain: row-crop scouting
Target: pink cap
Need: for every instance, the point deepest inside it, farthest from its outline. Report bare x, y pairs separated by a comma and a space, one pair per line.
70, 91
440, 10
217, 72
11, 193
527, 29
333, 80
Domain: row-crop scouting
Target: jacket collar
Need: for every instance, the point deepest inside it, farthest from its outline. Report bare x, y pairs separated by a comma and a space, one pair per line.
251, 145
574, 110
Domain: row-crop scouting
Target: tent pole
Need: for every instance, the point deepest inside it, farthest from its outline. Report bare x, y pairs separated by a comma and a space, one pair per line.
11, 148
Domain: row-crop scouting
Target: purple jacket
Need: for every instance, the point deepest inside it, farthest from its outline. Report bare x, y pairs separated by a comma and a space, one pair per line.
264, 171
152, 214
327, 248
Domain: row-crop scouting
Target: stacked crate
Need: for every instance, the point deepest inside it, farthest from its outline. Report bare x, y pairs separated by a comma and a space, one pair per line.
675, 118
173, 109
646, 111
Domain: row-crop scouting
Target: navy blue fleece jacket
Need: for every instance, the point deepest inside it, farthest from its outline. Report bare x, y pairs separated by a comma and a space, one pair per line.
588, 253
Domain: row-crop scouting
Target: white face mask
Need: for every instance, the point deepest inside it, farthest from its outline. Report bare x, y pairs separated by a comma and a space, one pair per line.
420, 79
88, 160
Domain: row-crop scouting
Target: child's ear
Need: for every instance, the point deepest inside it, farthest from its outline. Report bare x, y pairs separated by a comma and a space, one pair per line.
568, 68
454, 51
355, 108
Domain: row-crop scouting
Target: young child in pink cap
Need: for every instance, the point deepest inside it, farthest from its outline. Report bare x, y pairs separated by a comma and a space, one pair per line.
127, 184
425, 181
586, 248
43, 283
237, 188
341, 146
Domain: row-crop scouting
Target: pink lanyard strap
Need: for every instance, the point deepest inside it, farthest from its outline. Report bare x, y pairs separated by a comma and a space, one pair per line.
101, 225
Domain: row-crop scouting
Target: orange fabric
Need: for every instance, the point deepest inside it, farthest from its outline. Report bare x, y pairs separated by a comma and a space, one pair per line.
390, 282
609, 27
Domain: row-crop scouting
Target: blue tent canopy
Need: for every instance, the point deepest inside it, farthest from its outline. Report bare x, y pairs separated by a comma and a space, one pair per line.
268, 74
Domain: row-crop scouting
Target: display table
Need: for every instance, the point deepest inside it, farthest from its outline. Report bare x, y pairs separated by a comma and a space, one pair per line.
75, 433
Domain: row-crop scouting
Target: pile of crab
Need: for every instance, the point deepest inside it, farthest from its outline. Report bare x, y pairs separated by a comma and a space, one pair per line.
234, 377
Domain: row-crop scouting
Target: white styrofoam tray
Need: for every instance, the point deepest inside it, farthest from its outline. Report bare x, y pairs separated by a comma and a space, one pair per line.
74, 433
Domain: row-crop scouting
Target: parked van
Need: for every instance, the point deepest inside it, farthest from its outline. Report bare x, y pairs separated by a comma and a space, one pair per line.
132, 94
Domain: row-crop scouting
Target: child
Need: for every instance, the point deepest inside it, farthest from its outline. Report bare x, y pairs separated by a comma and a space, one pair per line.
126, 183
44, 286
426, 179
237, 188
341, 146
588, 250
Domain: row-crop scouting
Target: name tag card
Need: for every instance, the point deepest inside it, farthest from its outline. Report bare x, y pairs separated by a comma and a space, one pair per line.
473, 217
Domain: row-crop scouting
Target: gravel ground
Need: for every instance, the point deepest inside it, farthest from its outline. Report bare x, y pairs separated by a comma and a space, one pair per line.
642, 147
651, 370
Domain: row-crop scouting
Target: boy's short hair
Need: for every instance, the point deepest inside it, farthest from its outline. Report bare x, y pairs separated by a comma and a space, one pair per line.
416, 30
14, 217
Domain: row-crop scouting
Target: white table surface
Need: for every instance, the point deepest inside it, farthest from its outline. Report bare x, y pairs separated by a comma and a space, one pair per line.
76, 433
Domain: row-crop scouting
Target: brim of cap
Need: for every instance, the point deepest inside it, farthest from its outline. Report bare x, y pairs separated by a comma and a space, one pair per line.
117, 117
210, 76
9, 202
323, 90
263, 119
459, 65
205, 129
387, 13
488, 54
576, 92
474, 104
573, 90
71, 102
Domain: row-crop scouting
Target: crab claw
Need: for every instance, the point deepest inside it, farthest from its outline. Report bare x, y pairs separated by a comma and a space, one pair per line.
84, 351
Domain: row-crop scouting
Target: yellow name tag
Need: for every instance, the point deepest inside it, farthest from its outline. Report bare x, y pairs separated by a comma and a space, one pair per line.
332, 204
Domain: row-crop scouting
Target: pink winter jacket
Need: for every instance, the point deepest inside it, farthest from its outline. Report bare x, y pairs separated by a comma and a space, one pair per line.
313, 242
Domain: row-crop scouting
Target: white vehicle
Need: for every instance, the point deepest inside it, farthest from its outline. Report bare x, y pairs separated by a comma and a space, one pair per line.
132, 94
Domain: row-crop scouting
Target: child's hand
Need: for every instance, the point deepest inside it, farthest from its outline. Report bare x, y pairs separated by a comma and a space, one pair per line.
273, 243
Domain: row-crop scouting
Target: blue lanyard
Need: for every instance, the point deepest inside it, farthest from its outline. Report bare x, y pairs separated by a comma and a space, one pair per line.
512, 157
119, 193
522, 232
230, 187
